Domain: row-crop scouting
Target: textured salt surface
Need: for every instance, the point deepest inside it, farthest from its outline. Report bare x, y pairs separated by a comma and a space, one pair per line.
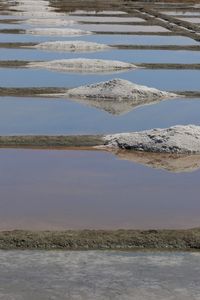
104, 12
118, 89
82, 65
49, 22
178, 139
101, 275
38, 14
27, 7
57, 31
72, 46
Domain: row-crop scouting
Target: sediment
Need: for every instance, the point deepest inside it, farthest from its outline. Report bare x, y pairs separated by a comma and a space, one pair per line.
183, 240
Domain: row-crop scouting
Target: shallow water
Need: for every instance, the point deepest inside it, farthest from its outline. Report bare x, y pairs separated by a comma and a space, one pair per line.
106, 39
99, 275
52, 189
38, 116
60, 189
161, 79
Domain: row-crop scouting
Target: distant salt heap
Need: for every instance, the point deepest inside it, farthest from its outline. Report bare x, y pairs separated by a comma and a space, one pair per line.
93, 12
72, 46
83, 65
119, 90
58, 31
38, 14
30, 7
51, 21
177, 139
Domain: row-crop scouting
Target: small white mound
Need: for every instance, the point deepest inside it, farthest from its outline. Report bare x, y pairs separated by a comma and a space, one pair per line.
93, 12
58, 31
82, 65
33, 2
177, 139
27, 8
72, 46
38, 14
118, 89
50, 22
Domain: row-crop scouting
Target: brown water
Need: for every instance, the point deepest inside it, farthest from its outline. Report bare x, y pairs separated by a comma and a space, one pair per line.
60, 189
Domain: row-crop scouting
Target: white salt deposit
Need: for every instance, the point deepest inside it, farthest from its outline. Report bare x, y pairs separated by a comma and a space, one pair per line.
38, 14
82, 65
118, 89
57, 31
72, 46
27, 7
51, 21
177, 139
103, 12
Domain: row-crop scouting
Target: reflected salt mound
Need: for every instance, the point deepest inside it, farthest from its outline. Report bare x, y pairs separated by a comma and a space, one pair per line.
116, 96
58, 31
72, 46
83, 65
169, 162
114, 107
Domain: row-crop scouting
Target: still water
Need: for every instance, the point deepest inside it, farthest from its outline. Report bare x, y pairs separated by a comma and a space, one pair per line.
59, 189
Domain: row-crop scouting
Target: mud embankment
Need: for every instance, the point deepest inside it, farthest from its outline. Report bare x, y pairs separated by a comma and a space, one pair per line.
183, 240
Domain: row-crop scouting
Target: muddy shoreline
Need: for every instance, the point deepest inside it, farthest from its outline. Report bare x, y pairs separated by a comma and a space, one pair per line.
182, 240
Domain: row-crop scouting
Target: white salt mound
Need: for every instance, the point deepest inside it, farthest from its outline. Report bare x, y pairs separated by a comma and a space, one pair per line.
33, 2
57, 31
82, 64
118, 89
92, 12
47, 22
178, 139
27, 8
72, 46
38, 14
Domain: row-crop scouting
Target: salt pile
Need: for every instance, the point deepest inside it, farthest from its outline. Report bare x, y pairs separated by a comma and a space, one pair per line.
93, 12
47, 22
82, 65
118, 89
72, 46
27, 8
178, 139
38, 14
57, 31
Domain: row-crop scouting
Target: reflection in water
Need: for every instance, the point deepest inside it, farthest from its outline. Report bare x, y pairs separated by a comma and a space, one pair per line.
169, 162
59, 189
115, 107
